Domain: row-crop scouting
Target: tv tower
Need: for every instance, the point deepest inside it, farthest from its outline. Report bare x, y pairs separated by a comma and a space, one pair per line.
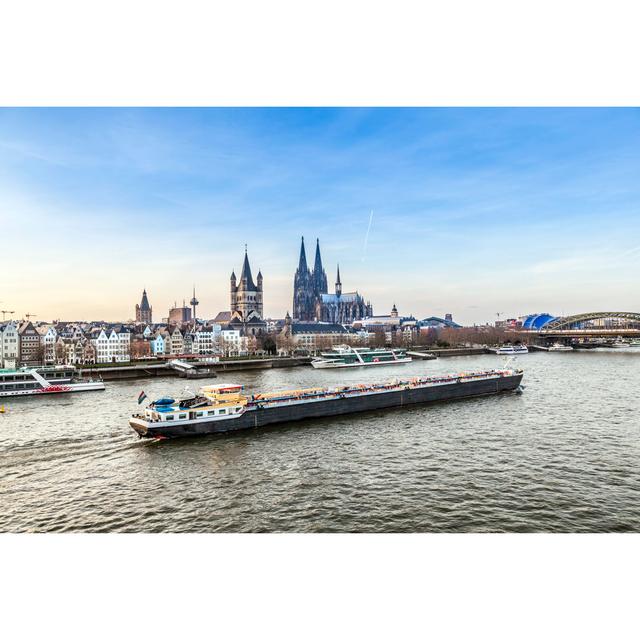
194, 303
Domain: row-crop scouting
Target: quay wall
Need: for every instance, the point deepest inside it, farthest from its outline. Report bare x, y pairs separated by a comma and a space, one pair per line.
134, 371
448, 353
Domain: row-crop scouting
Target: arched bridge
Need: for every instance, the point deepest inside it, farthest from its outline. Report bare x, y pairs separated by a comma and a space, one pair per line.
595, 323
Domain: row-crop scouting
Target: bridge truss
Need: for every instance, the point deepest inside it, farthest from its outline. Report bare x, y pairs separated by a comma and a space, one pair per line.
576, 321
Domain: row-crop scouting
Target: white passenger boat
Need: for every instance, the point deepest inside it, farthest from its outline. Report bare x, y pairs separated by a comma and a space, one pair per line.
558, 346
511, 350
346, 356
44, 380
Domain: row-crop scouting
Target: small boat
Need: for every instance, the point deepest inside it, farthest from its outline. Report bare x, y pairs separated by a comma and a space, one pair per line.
511, 350
44, 380
346, 356
558, 346
635, 342
619, 343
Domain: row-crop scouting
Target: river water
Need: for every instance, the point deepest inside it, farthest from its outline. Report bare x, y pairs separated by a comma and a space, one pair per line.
564, 456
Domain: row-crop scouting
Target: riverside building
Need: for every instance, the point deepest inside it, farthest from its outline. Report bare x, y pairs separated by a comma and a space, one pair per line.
9, 344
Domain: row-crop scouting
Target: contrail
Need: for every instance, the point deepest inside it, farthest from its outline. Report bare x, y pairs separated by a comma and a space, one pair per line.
366, 237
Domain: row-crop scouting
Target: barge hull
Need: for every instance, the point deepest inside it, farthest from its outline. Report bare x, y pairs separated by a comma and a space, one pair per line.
255, 417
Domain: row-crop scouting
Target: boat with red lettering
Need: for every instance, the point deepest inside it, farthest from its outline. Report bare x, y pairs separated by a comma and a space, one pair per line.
44, 380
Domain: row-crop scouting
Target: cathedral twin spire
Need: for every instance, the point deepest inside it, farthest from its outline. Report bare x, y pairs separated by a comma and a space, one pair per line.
310, 302
308, 285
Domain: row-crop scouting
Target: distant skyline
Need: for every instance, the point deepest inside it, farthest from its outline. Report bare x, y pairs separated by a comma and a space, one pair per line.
466, 211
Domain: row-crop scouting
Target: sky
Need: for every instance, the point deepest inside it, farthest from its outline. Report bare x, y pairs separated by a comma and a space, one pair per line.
474, 212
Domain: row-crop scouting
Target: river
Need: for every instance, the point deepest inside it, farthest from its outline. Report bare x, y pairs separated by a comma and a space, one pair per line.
562, 457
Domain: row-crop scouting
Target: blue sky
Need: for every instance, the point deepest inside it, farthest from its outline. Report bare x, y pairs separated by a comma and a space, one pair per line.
475, 211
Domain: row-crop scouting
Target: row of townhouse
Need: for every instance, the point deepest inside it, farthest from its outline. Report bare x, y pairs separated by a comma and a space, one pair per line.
29, 344
24, 344
112, 343
201, 340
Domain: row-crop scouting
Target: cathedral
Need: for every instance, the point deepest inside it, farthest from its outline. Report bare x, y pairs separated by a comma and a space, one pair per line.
313, 302
246, 301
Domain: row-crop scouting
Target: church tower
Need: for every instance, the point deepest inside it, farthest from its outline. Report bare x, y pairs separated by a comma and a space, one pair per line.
234, 292
338, 284
144, 311
259, 303
247, 305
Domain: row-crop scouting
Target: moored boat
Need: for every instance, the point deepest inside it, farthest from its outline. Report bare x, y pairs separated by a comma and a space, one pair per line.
619, 343
346, 356
511, 350
225, 407
44, 380
559, 346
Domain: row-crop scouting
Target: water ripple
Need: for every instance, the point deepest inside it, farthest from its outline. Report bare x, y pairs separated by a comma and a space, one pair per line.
563, 457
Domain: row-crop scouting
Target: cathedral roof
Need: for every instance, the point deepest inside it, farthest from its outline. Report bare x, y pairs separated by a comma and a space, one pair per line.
354, 296
317, 327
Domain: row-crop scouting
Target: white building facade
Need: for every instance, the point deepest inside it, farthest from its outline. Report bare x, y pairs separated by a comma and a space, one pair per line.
9, 344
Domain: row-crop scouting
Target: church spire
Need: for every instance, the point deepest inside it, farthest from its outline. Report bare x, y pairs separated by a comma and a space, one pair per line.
302, 264
319, 275
338, 283
317, 266
246, 279
144, 303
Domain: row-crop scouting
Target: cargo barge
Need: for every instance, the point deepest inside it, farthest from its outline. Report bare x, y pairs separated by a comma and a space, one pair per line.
223, 408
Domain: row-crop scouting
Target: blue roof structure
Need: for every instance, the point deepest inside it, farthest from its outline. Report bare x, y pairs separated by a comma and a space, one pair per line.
536, 321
